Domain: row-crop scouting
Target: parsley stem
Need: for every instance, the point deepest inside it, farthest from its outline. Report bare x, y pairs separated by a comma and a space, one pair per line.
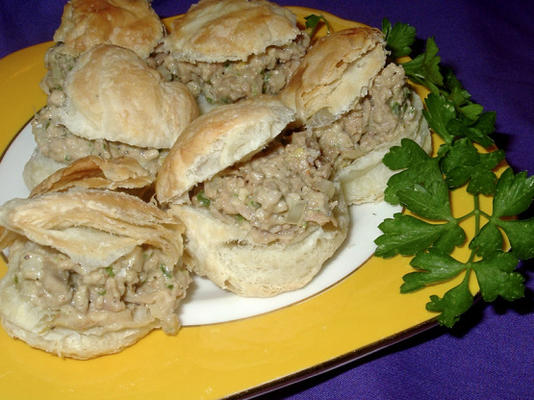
477, 212
486, 215
468, 275
476, 200
464, 217
471, 259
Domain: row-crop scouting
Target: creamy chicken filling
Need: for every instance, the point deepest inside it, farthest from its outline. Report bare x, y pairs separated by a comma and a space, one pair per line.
58, 63
281, 193
376, 119
227, 82
55, 141
135, 291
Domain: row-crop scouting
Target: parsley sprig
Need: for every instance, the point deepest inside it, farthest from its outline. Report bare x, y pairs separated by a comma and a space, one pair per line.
431, 232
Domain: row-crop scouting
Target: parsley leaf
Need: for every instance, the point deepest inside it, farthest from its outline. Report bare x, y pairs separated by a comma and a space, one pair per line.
407, 235
471, 111
514, 194
477, 130
488, 241
420, 187
459, 161
521, 236
435, 266
438, 113
427, 199
450, 238
424, 69
455, 92
313, 22
483, 181
407, 154
454, 303
399, 38
496, 277
463, 163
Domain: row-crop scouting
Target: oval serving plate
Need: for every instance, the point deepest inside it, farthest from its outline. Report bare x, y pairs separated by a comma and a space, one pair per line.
360, 314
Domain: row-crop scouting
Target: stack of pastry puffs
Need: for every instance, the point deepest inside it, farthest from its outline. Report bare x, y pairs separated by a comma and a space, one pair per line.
229, 145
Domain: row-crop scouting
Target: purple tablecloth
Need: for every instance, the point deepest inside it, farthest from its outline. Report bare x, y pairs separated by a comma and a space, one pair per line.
490, 45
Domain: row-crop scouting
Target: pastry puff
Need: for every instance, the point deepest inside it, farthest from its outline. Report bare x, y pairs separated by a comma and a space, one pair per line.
90, 271
97, 173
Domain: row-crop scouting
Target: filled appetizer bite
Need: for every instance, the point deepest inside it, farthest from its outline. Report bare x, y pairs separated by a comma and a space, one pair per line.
112, 105
131, 24
227, 50
90, 272
358, 105
262, 214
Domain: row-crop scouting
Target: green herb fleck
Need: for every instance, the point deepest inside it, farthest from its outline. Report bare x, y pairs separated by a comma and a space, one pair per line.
165, 271
203, 200
254, 204
239, 218
395, 108
109, 271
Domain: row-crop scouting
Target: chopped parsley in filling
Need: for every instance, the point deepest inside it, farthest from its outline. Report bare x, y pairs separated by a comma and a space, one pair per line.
281, 192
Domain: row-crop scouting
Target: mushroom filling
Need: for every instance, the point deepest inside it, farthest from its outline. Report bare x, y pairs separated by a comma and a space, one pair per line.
227, 82
281, 193
138, 290
376, 119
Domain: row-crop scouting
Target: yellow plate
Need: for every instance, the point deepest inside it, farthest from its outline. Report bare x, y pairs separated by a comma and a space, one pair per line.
363, 312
